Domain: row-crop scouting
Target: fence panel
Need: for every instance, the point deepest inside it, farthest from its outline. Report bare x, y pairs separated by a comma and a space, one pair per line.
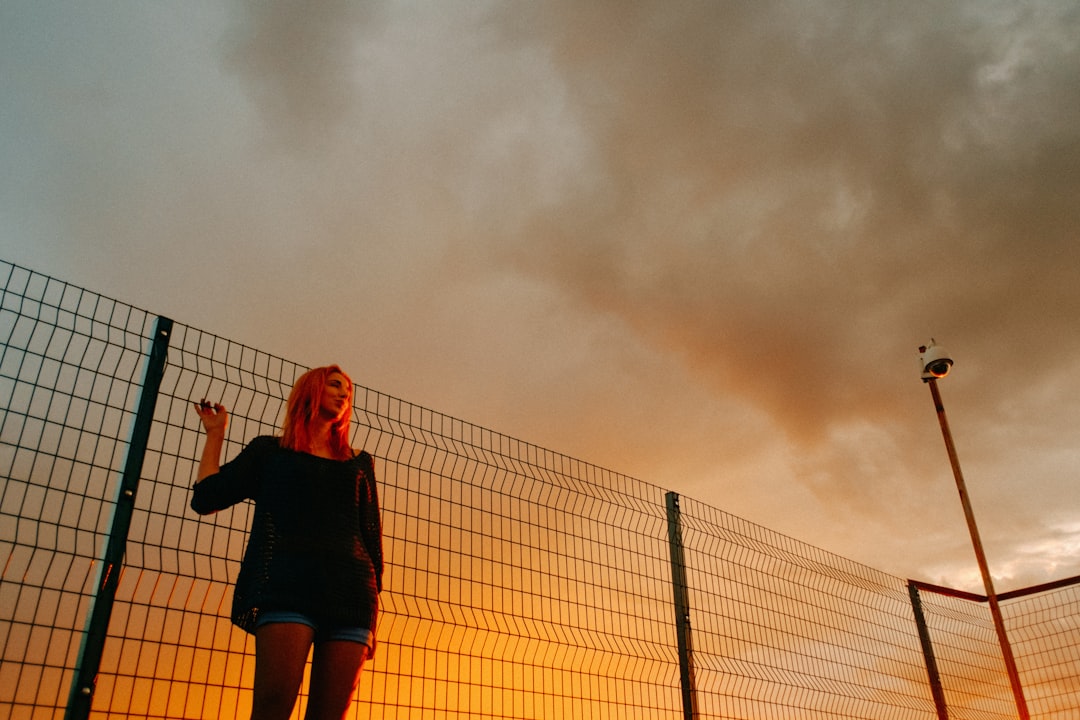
1044, 629
70, 367
785, 630
519, 582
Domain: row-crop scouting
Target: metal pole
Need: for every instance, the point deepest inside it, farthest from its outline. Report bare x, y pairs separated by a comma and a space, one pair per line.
682, 608
93, 643
988, 583
936, 691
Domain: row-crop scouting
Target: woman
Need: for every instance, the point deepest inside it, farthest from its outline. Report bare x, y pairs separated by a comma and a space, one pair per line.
312, 570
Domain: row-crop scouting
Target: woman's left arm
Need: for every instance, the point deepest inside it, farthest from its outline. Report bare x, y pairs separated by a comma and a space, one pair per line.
371, 518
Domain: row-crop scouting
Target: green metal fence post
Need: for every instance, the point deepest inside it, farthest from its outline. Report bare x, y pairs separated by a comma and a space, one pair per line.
97, 625
928, 652
682, 607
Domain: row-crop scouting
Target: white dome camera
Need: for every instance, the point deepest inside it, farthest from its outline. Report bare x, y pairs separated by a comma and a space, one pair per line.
934, 361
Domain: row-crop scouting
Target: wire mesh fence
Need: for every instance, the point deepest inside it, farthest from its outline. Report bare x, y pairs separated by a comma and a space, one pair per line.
1045, 633
785, 630
520, 583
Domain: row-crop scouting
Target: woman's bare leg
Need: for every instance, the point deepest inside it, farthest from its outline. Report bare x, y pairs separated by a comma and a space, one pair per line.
335, 671
281, 652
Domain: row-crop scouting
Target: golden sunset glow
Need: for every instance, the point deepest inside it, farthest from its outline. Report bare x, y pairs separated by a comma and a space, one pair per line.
573, 256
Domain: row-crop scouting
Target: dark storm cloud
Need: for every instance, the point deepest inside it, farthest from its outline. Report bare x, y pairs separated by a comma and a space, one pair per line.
790, 198
297, 61
695, 242
783, 187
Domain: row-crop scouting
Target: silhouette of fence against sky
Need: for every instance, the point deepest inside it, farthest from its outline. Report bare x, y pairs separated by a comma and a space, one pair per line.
520, 583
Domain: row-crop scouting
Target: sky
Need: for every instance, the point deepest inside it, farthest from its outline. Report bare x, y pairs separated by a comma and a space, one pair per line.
696, 243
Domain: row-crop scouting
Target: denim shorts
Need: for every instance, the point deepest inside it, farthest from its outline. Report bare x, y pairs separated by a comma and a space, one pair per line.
347, 634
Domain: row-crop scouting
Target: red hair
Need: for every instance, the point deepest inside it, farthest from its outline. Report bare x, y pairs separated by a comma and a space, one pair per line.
302, 408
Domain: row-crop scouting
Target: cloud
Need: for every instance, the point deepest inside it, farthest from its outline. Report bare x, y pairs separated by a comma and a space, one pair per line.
297, 62
697, 243
768, 214
788, 199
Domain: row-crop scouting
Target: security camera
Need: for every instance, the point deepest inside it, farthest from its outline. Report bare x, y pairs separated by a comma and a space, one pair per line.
934, 361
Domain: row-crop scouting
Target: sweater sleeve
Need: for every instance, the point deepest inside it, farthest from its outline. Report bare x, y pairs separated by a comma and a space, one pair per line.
237, 480
371, 520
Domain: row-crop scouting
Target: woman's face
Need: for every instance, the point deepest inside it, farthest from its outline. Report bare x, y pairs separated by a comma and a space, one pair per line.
337, 393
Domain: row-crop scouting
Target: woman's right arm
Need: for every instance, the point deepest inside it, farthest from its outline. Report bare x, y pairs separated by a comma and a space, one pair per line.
213, 491
217, 485
214, 420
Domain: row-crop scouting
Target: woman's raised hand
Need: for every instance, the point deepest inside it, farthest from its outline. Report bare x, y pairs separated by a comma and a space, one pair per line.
214, 417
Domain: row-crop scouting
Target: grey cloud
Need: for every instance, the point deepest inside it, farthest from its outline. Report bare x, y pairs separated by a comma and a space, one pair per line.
779, 186
299, 64
690, 215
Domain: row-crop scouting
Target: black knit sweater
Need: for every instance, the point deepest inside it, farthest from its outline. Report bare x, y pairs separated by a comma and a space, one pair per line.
316, 538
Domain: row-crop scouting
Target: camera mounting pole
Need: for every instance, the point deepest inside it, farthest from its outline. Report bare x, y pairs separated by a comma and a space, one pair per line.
980, 555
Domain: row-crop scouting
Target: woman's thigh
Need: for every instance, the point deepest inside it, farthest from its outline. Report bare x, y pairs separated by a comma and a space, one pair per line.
335, 671
281, 652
